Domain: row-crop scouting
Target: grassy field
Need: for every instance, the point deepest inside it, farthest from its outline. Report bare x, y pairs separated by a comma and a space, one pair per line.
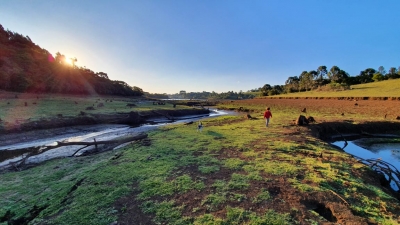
31, 107
236, 171
387, 88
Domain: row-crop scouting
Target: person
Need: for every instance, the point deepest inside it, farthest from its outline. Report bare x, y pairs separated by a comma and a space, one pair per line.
199, 126
267, 116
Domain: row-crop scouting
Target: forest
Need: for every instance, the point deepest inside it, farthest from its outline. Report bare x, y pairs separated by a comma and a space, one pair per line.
26, 67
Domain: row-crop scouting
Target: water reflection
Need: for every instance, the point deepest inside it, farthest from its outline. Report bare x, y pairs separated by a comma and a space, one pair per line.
367, 149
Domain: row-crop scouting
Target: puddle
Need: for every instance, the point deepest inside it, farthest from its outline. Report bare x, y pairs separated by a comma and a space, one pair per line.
388, 152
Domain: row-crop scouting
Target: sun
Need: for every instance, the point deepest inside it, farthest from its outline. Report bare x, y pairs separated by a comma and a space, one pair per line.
68, 61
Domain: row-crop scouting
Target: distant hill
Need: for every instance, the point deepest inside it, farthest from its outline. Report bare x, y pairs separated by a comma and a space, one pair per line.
387, 88
26, 67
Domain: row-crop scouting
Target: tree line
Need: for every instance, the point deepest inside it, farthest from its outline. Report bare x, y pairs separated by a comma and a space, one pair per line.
321, 78
213, 95
324, 79
26, 67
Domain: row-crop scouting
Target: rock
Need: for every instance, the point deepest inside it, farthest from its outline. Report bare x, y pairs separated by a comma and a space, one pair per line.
248, 116
301, 121
311, 119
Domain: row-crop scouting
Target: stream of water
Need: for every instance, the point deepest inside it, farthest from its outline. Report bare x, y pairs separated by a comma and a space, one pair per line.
88, 133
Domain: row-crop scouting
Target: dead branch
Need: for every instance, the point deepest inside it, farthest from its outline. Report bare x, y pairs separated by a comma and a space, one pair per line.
385, 168
339, 197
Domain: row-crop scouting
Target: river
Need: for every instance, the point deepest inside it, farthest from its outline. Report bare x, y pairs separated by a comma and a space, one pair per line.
102, 132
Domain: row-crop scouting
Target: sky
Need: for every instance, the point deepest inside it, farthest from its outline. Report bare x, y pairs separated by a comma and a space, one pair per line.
165, 46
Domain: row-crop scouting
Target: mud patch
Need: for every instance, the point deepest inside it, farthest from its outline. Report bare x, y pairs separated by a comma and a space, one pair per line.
130, 212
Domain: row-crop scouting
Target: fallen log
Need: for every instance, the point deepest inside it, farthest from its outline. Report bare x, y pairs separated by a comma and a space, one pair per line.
112, 144
115, 141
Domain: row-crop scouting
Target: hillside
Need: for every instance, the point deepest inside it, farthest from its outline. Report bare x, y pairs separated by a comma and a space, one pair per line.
387, 88
26, 67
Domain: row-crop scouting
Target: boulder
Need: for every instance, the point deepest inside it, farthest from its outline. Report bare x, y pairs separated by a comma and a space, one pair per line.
311, 119
301, 120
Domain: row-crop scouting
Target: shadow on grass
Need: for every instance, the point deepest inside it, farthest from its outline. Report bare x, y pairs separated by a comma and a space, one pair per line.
215, 134
360, 88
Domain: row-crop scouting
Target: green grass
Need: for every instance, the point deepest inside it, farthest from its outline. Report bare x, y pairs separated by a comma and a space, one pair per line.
48, 106
387, 88
212, 201
262, 196
182, 161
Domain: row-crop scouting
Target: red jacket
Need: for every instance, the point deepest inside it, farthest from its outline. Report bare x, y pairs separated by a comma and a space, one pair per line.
267, 114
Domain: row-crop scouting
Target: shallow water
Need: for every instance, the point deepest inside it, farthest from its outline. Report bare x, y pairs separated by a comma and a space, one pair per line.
388, 152
88, 133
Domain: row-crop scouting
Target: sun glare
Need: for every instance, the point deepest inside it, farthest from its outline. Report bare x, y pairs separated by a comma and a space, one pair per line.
68, 60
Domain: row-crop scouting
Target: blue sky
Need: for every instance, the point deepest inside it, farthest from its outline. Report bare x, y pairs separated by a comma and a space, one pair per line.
164, 46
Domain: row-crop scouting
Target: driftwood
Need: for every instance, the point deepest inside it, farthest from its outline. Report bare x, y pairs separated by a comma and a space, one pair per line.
120, 141
112, 144
384, 168
387, 170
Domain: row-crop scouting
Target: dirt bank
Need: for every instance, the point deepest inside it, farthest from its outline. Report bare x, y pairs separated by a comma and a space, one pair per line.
337, 98
329, 131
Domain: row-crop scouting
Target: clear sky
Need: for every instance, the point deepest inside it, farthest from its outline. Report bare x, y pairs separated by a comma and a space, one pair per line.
164, 46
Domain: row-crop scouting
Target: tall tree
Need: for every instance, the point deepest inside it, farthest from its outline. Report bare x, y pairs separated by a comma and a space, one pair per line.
292, 84
265, 89
392, 73
322, 72
338, 75
334, 73
306, 80
382, 70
